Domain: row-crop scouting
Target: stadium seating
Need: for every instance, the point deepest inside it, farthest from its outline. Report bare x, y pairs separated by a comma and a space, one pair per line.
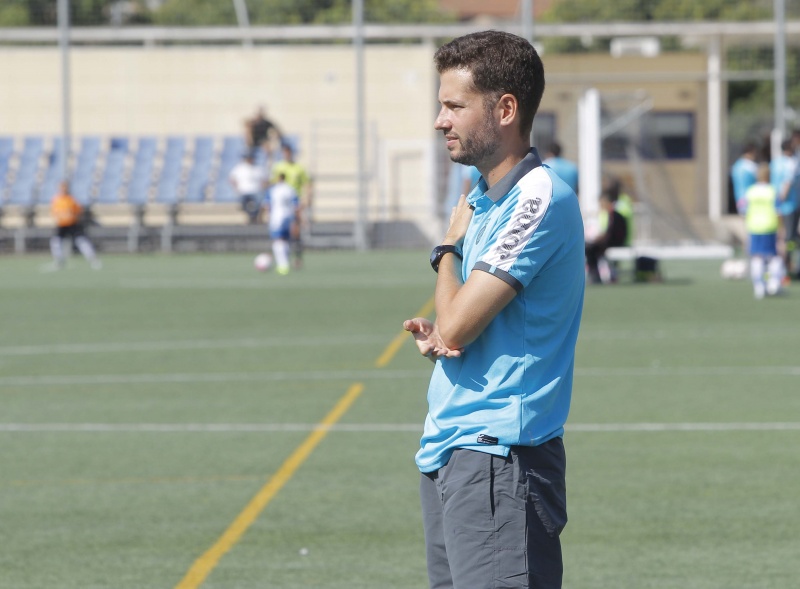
141, 178
232, 150
83, 176
6, 151
52, 175
171, 171
22, 191
200, 172
132, 171
111, 180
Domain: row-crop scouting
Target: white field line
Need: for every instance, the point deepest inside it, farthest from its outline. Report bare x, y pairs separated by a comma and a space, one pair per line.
685, 333
327, 283
311, 341
160, 346
692, 371
210, 377
315, 375
371, 427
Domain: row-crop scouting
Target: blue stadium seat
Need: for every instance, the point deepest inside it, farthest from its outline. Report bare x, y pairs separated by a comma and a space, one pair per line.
53, 172
111, 180
6, 151
142, 172
82, 181
169, 182
232, 150
200, 172
22, 190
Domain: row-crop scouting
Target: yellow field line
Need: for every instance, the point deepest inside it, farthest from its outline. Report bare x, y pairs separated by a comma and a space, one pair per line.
203, 566
206, 563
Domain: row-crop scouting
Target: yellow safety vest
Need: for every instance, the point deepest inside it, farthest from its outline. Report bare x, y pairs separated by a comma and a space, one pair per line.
761, 217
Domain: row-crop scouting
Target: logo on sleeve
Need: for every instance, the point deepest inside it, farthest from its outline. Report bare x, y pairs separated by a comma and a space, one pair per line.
522, 222
487, 440
481, 231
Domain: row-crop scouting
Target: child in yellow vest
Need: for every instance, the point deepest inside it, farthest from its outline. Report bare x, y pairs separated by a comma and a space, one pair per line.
759, 206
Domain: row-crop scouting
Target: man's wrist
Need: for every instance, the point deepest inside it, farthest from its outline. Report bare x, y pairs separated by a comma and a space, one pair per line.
442, 250
451, 241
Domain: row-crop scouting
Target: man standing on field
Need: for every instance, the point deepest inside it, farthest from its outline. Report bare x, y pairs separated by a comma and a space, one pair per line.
509, 296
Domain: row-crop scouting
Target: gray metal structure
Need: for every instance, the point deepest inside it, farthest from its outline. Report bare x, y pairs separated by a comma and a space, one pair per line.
713, 36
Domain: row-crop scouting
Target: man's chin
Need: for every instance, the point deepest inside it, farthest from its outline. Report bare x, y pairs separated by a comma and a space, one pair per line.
459, 158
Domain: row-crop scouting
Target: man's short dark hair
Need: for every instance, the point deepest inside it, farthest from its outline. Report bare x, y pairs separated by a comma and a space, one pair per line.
500, 63
555, 149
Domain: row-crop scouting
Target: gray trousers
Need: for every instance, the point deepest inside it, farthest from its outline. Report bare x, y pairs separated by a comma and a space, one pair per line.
493, 522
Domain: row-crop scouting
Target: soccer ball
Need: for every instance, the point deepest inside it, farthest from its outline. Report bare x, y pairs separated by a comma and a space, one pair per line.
263, 262
733, 269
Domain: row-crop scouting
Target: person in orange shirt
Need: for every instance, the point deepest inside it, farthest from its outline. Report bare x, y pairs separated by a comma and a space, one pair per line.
67, 214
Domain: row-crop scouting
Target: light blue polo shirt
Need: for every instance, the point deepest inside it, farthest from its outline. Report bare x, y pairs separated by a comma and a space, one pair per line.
513, 384
564, 169
743, 176
785, 169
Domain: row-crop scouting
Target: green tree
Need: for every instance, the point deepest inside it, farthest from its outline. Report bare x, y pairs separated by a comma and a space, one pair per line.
603, 11
13, 13
293, 12
32, 13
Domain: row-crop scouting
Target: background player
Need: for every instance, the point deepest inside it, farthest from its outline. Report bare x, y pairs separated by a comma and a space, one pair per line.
68, 216
281, 205
297, 177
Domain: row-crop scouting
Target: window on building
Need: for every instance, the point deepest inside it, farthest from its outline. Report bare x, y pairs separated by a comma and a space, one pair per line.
544, 131
661, 135
669, 135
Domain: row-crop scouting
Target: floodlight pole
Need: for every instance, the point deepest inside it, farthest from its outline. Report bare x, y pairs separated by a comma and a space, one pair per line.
243, 18
526, 16
780, 73
717, 152
63, 43
359, 230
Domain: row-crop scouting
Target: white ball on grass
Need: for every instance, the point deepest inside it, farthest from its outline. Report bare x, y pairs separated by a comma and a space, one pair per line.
263, 262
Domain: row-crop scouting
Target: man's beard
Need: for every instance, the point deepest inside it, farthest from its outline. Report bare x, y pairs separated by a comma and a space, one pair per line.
478, 145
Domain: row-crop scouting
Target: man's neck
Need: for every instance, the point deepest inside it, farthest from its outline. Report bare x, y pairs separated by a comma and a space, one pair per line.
504, 165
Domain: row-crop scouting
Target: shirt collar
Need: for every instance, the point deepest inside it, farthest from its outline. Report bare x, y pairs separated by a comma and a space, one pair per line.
507, 182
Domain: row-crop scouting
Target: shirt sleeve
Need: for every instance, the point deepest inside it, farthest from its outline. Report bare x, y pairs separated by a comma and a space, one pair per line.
525, 237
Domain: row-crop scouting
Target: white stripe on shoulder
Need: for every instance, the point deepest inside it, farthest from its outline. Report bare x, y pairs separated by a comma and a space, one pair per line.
535, 194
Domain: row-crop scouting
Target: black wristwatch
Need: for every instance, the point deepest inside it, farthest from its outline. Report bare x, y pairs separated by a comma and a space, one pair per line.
440, 250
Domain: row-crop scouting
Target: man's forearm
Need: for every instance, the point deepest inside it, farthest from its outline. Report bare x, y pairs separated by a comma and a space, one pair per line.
448, 283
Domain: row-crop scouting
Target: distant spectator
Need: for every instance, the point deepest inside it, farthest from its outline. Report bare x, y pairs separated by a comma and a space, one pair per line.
297, 177
785, 177
623, 204
67, 214
759, 206
616, 231
743, 171
249, 181
260, 131
564, 168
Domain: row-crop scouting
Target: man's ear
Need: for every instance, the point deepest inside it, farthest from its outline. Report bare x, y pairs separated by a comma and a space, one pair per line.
508, 108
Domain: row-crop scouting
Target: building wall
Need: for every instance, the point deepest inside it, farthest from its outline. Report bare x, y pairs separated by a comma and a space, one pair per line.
309, 91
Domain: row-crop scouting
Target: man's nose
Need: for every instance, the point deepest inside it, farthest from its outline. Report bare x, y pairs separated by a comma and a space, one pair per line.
441, 121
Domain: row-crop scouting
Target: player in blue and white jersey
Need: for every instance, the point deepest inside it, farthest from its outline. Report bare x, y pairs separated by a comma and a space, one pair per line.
564, 168
785, 178
509, 296
743, 172
282, 204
